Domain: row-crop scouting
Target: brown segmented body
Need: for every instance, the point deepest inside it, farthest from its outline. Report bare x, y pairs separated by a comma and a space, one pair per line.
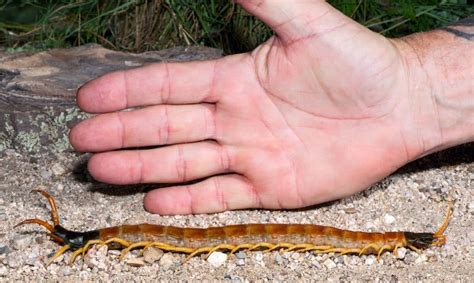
251, 234
194, 241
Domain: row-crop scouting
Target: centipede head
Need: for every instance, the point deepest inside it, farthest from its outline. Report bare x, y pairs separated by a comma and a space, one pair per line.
425, 240
54, 216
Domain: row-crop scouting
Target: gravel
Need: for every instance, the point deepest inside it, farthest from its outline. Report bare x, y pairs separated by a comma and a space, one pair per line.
413, 199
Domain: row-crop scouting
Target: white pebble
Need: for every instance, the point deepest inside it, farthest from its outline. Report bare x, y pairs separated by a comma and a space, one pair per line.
136, 262
388, 219
166, 261
217, 259
58, 169
258, 256
401, 252
369, 261
329, 263
152, 254
422, 258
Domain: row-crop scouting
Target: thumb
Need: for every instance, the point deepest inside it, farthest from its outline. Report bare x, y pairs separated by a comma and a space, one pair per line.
294, 20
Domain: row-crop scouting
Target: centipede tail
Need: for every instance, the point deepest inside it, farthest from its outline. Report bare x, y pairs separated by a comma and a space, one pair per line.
232, 238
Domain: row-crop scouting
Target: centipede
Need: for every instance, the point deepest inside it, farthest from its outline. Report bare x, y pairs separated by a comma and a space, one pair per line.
233, 238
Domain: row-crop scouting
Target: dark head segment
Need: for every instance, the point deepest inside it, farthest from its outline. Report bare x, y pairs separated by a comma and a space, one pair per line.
419, 240
424, 240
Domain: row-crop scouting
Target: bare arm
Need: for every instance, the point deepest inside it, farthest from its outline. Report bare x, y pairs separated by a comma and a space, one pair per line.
442, 64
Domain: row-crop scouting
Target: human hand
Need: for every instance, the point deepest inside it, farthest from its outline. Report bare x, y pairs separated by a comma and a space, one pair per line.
320, 111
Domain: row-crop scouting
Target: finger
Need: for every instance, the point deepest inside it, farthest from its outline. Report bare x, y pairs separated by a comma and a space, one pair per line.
293, 20
154, 125
216, 194
177, 163
164, 83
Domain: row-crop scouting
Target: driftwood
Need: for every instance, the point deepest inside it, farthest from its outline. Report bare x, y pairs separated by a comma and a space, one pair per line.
37, 90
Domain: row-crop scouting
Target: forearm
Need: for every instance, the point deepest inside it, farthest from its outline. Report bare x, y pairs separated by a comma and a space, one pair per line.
442, 65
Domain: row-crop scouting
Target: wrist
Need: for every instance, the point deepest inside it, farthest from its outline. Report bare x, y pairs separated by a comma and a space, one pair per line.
440, 75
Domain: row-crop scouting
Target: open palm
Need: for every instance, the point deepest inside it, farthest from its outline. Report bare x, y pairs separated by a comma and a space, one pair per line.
318, 112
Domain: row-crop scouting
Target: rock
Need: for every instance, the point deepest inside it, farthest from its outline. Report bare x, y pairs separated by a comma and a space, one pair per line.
370, 260
152, 254
136, 262
422, 258
217, 259
96, 256
240, 262
388, 219
258, 256
66, 270
3, 270
3, 248
58, 169
45, 173
329, 263
240, 255
401, 252
166, 261
20, 242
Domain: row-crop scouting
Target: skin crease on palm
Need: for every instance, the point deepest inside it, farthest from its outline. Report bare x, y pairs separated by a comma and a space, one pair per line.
320, 111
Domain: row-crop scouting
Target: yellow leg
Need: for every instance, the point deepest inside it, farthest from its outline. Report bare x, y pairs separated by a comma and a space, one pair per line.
316, 248
395, 250
220, 247
90, 243
383, 248
58, 253
351, 251
196, 252
262, 245
366, 248
415, 249
286, 246
74, 255
133, 246
119, 241
241, 247
299, 247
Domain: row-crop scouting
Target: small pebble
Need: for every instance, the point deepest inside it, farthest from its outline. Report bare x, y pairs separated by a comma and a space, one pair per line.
20, 242
278, 259
369, 261
422, 258
45, 173
329, 263
66, 270
152, 254
388, 219
258, 256
3, 270
240, 255
166, 261
240, 262
58, 169
401, 252
3, 249
217, 259
136, 262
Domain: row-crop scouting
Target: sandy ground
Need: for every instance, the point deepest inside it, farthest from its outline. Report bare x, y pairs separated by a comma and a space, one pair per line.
413, 199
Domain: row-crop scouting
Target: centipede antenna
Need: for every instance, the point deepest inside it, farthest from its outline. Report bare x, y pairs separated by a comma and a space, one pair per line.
36, 221
52, 203
439, 233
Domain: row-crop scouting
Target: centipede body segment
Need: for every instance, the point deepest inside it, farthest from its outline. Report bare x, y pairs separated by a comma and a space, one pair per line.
267, 237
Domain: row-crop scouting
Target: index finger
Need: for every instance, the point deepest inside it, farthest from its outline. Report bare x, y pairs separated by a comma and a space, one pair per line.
162, 83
